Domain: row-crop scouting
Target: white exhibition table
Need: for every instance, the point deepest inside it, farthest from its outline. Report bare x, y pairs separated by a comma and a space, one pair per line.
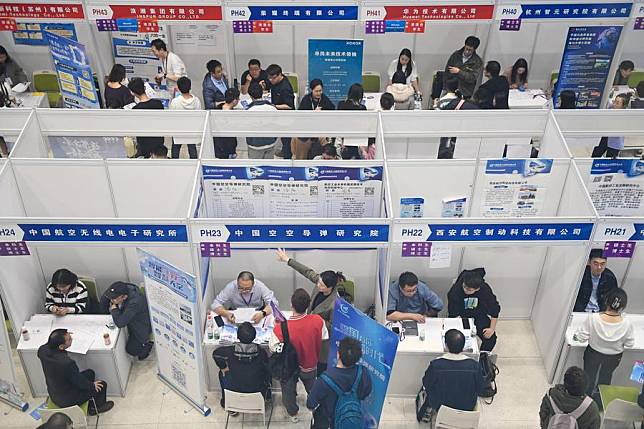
528, 99
32, 99
110, 363
573, 352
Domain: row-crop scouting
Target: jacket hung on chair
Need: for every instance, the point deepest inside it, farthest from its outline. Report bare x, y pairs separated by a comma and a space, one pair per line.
65, 384
247, 367
453, 380
607, 281
568, 403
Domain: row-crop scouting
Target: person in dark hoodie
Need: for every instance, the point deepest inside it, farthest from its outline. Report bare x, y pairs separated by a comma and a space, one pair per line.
497, 86
595, 285
243, 367
471, 296
570, 398
66, 384
129, 308
214, 85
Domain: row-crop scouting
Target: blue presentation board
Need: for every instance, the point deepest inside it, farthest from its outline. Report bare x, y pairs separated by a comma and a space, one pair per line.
586, 63
338, 63
33, 33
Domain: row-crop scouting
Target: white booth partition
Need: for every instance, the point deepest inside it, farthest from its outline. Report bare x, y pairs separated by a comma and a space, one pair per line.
102, 134
12, 122
472, 134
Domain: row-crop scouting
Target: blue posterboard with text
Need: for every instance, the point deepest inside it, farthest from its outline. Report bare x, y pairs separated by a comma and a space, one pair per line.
586, 63
33, 33
338, 63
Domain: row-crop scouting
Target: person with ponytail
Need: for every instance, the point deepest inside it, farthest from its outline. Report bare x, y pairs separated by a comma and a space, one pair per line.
323, 297
608, 333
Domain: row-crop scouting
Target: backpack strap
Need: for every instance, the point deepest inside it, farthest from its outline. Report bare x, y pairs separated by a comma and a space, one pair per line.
554, 406
332, 384
460, 104
284, 327
354, 388
581, 409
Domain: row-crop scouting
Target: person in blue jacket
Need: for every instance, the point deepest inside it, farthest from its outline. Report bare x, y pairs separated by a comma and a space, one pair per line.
215, 84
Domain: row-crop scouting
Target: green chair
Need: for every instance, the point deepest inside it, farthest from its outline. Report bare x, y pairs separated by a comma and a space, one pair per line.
90, 284
620, 404
635, 78
77, 413
554, 76
371, 81
294, 80
47, 81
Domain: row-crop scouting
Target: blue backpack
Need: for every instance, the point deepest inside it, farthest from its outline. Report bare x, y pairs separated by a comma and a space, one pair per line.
348, 411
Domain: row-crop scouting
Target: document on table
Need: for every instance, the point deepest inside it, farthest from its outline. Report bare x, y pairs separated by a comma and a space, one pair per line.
243, 315
81, 341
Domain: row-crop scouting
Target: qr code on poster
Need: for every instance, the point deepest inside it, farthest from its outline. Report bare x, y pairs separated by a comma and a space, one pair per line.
258, 189
179, 376
313, 190
369, 190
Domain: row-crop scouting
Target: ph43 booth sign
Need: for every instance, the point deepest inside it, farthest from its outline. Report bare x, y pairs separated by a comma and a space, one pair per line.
164, 12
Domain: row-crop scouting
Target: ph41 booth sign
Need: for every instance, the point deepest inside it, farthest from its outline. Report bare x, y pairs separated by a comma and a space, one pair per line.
435, 12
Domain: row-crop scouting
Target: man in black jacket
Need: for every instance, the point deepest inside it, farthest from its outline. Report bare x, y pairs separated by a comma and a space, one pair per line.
498, 88
596, 283
66, 385
243, 367
129, 308
472, 297
465, 65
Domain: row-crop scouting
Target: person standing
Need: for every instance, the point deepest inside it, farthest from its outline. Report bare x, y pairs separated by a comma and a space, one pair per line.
10, 69
283, 98
145, 145
261, 147
608, 333
186, 101
66, 384
497, 87
66, 294
465, 65
172, 67
595, 284
406, 65
129, 308
215, 85
117, 95
226, 147
306, 333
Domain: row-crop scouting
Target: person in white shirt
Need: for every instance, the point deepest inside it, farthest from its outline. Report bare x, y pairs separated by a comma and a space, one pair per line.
260, 147
185, 101
608, 333
172, 68
406, 64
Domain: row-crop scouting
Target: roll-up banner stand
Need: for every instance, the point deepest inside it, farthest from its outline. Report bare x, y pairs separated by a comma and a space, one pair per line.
174, 314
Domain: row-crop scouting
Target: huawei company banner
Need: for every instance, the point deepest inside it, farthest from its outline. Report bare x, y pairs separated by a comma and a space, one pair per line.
379, 346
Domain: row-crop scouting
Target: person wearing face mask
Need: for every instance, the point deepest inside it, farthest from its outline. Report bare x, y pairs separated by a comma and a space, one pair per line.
472, 297
245, 292
117, 94
323, 296
66, 294
466, 66
607, 333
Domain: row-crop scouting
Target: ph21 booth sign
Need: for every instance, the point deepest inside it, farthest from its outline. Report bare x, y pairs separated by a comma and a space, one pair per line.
338, 63
379, 346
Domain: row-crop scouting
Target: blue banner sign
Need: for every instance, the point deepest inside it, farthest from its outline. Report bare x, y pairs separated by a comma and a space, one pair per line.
338, 63
524, 167
493, 232
292, 233
586, 62
292, 13
630, 167
379, 346
565, 11
33, 33
109, 233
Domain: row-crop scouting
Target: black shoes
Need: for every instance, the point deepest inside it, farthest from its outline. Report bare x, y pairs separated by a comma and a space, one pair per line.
146, 350
108, 405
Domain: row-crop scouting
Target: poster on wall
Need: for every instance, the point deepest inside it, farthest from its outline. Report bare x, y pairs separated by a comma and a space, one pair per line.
193, 38
176, 324
338, 63
133, 51
33, 33
269, 191
585, 64
511, 190
87, 147
379, 346
75, 75
617, 187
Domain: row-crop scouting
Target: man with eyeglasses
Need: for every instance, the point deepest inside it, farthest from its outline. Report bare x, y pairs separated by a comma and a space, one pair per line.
411, 299
245, 292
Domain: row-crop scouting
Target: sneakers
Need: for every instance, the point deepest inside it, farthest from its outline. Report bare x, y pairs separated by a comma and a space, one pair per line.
294, 419
108, 405
233, 413
146, 350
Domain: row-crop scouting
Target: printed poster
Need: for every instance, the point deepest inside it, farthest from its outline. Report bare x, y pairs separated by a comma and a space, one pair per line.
33, 33
133, 51
87, 147
511, 189
269, 191
586, 62
176, 324
379, 346
75, 75
338, 63
617, 187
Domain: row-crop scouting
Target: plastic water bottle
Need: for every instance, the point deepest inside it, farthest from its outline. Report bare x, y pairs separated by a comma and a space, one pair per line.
209, 326
418, 102
421, 332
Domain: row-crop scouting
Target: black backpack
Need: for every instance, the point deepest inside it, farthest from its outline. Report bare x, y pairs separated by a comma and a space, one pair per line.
489, 371
283, 363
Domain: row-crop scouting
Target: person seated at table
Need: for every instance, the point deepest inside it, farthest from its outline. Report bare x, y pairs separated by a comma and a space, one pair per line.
465, 65
608, 333
66, 384
387, 102
129, 307
10, 69
637, 101
243, 367
316, 99
570, 398
329, 152
411, 299
624, 72
453, 380
595, 284
245, 292
517, 75
254, 74
567, 99
117, 95
159, 152
354, 99
66, 294
407, 65
472, 297
613, 144
144, 145
402, 92
214, 86
497, 86
57, 421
